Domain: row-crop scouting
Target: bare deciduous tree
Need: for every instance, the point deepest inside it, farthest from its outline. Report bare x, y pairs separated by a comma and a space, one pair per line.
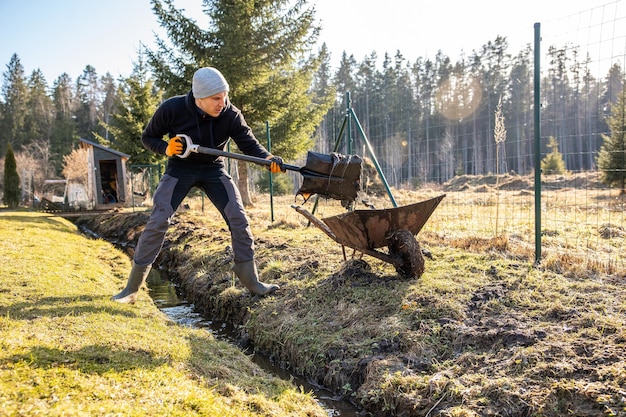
76, 168
499, 135
34, 161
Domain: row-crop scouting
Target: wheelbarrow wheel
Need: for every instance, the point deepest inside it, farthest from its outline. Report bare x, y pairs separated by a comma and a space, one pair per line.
403, 245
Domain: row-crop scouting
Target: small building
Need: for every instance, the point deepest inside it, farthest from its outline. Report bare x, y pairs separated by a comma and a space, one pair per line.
107, 179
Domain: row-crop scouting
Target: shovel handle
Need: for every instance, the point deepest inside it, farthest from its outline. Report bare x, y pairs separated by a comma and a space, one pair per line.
192, 147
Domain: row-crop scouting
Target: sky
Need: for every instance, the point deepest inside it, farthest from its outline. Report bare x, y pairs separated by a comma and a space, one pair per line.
64, 36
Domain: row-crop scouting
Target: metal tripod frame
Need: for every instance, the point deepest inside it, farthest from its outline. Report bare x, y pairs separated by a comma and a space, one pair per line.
348, 117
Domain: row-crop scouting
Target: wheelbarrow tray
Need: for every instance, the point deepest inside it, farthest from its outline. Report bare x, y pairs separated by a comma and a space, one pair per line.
369, 229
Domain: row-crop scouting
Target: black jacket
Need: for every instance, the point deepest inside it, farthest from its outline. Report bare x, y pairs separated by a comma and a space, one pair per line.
180, 114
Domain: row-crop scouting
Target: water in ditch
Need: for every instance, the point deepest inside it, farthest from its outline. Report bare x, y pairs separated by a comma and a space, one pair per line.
166, 297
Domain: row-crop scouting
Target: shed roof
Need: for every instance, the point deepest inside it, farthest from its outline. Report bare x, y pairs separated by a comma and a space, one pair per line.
97, 145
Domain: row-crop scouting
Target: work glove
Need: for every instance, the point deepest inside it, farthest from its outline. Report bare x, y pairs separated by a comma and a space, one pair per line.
277, 164
174, 147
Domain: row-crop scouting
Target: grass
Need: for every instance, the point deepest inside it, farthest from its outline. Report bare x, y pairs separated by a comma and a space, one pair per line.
67, 350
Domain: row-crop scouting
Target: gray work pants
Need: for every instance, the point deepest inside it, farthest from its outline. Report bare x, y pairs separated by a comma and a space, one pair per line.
174, 186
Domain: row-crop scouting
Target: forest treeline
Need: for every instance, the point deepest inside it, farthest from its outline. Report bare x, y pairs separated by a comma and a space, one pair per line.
433, 119
426, 120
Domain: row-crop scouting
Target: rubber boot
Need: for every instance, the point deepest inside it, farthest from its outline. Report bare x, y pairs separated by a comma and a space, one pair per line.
136, 278
249, 277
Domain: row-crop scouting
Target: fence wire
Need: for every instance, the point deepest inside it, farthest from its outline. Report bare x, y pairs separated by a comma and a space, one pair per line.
446, 140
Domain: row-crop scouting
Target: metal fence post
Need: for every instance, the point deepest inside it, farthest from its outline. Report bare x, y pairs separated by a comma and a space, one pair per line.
537, 156
269, 149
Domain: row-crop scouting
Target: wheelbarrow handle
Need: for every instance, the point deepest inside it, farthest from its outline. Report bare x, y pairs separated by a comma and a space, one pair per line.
192, 147
317, 222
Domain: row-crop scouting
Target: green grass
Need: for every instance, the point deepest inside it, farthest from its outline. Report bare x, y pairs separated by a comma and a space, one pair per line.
67, 350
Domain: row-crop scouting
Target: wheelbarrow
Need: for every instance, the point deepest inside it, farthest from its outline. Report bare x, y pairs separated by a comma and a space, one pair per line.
367, 230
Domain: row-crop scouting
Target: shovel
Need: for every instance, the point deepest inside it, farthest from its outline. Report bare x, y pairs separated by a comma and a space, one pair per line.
333, 176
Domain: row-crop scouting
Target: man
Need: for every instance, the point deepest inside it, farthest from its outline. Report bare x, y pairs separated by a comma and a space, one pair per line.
206, 115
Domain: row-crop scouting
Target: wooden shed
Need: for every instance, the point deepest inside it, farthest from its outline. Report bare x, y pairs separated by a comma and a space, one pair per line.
106, 175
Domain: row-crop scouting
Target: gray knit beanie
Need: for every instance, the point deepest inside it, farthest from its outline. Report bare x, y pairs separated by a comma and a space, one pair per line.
207, 82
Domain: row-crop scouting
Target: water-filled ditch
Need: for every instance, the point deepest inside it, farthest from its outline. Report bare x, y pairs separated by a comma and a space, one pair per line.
167, 298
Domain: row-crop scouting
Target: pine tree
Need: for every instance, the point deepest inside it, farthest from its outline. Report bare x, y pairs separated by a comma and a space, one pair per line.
11, 195
553, 162
324, 90
136, 101
612, 155
107, 107
14, 110
345, 76
38, 120
87, 94
262, 48
64, 126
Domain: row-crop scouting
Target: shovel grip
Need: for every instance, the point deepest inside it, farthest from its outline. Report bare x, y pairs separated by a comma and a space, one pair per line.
188, 146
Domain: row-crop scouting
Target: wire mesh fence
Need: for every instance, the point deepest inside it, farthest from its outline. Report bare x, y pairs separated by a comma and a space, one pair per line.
468, 129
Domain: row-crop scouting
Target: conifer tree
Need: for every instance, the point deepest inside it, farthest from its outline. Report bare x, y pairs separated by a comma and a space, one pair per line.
64, 124
345, 76
11, 195
553, 162
263, 50
38, 119
324, 90
107, 106
87, 94
14, 110
612, 155
136, 101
